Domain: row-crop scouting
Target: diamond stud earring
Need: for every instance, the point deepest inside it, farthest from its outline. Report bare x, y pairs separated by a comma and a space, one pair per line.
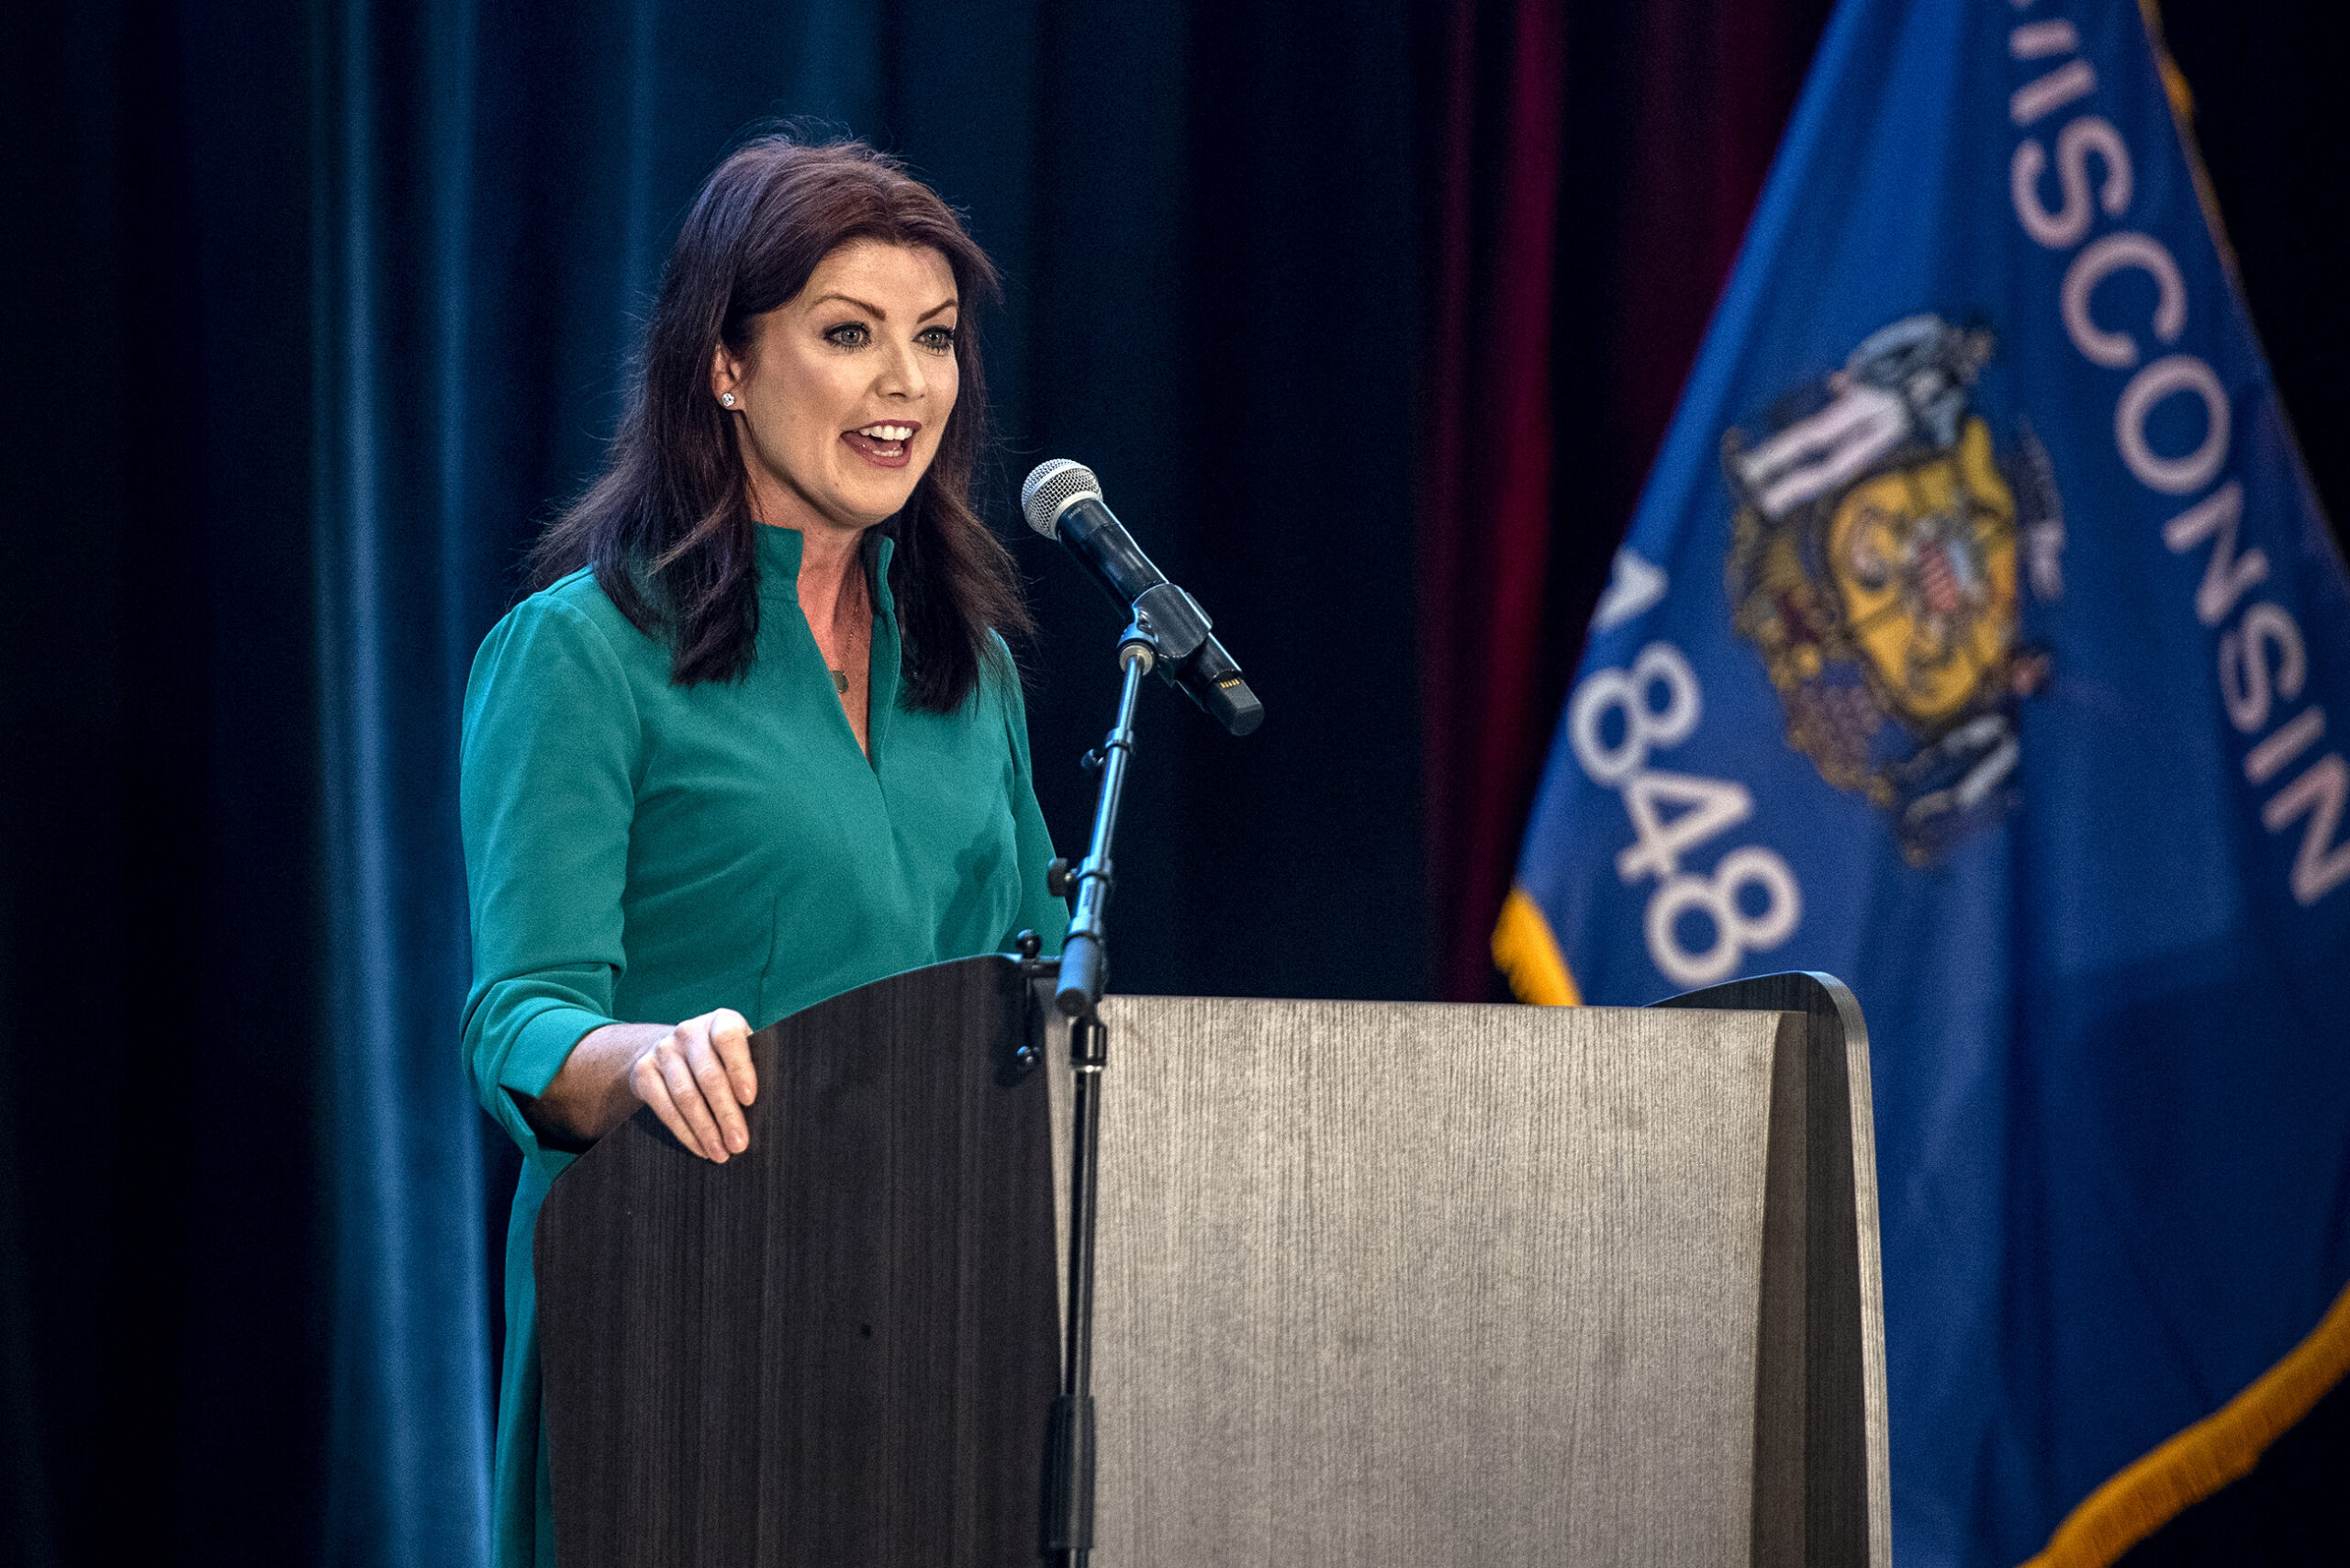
727, 398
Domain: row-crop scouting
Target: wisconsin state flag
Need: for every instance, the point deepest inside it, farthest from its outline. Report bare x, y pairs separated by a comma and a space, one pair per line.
1978, 639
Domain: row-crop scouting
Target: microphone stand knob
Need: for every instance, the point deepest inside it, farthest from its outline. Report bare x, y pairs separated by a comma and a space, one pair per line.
1056, 878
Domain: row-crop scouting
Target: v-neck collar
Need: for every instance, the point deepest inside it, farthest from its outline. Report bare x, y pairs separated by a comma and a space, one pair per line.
779, 556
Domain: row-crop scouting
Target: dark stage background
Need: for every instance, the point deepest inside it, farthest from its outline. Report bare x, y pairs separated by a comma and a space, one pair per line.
1370, 317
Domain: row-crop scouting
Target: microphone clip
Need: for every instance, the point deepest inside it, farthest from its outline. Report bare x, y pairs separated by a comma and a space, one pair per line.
1170, 621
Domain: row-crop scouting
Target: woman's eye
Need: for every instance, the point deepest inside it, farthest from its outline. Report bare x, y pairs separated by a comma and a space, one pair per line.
848, 335
938, 340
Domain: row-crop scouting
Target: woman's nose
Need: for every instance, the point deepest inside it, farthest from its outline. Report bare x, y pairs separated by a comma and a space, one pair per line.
902, 373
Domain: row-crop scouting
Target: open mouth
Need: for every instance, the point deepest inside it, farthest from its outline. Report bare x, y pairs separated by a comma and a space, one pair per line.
884, 443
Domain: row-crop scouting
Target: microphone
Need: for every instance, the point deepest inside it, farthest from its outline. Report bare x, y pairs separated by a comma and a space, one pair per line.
1063, 500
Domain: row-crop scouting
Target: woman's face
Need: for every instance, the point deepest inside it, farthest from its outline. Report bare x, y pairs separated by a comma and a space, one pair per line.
845, 390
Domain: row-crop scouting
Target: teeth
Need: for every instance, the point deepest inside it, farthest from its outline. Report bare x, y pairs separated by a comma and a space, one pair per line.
888, 432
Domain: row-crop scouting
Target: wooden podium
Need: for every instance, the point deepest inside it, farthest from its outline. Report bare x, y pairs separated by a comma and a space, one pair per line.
1377, 1286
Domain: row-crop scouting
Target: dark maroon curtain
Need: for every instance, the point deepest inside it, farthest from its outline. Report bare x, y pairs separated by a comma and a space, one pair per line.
1488, 477
1595, 165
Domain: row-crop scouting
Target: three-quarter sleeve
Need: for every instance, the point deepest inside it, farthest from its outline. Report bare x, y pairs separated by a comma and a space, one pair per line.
546, 794
1039, 910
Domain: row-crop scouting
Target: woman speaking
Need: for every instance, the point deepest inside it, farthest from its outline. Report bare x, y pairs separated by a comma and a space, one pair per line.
757, 738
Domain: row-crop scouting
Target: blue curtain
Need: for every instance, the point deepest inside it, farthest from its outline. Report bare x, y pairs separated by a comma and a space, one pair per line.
391, 166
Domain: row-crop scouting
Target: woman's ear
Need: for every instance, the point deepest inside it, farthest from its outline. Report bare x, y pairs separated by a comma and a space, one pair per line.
725, 377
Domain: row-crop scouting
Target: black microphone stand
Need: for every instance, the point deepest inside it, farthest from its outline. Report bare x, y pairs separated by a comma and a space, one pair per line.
1068, 1534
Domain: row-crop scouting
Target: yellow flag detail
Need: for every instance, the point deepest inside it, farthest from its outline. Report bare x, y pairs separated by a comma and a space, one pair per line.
1525, 950
2205, 1457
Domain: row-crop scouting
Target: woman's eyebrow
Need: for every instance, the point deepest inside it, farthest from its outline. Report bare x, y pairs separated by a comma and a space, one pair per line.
880, 315
874, 310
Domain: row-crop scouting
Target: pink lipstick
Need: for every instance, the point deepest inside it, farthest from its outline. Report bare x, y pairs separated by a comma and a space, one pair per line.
885, 444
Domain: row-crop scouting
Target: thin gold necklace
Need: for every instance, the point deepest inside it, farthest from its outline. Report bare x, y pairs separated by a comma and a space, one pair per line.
840, 676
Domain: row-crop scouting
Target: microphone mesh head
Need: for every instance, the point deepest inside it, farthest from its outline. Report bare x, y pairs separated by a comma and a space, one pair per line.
1050, 488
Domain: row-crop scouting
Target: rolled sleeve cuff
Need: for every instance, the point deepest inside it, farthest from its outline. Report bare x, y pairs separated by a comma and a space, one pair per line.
540, 1046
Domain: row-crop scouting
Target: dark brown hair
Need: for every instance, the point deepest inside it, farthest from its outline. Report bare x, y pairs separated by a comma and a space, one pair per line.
667, 526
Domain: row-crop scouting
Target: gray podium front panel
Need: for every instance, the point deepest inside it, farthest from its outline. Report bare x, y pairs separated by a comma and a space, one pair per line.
1389, 1285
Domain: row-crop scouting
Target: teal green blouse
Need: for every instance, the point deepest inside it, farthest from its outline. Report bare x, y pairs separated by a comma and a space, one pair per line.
641, 851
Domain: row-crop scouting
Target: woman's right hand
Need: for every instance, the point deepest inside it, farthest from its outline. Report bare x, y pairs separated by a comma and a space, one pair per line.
698, 1078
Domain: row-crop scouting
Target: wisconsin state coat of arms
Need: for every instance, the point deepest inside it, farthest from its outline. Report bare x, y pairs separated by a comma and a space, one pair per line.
1874, 565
